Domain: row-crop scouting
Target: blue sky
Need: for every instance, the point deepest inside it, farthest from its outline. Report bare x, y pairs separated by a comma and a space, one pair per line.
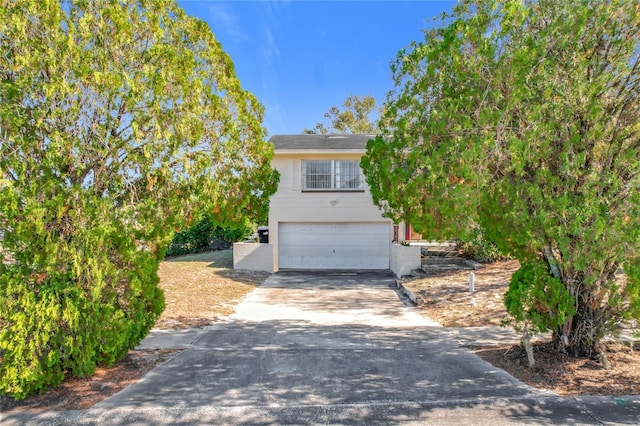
301, 57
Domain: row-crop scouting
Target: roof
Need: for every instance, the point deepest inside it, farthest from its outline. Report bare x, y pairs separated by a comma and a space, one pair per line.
320, 142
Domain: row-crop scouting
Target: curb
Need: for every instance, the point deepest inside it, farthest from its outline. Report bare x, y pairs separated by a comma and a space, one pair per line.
415, 300
529, 409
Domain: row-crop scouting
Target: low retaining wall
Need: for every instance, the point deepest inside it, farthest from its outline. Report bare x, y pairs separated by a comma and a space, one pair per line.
404, 259
253, 256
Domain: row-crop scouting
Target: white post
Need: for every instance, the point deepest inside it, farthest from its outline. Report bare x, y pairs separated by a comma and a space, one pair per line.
472, 278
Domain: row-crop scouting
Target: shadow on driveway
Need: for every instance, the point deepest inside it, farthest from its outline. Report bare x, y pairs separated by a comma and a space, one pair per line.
333, 348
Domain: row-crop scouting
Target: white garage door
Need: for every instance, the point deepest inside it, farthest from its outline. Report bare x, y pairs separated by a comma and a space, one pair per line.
333, 245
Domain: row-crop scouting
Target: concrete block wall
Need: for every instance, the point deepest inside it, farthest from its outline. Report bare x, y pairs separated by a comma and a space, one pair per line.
404, 259
253, 256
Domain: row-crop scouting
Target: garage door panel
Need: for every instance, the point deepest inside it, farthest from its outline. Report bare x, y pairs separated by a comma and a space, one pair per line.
333, 246
340, 240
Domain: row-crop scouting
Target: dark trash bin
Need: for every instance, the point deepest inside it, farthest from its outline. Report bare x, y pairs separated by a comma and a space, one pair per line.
263, 234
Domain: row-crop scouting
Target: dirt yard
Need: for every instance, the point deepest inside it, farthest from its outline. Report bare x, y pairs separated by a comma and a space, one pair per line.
201, 288
445, 298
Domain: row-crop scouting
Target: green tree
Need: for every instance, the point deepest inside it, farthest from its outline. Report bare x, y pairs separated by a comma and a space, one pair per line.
354, 118
199, 236
117, 121
523, 116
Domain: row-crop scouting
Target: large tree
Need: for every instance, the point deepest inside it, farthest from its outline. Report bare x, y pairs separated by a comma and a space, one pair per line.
118, 119
355, 117
523, 116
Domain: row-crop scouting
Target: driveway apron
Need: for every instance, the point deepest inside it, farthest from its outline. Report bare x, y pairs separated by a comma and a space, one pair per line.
308, 339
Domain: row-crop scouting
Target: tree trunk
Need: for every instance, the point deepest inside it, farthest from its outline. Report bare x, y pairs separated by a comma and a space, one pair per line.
581, 334
526, 343
595, 316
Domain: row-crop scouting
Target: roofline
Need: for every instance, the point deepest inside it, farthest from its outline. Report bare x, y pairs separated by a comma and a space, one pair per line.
319, 151
356, 143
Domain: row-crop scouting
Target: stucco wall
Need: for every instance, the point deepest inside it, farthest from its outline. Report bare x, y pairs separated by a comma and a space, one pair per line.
291, 204
253, 256
404, 259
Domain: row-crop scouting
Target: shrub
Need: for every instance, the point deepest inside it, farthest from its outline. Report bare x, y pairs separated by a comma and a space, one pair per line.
234, 233
194, 239
480, 249
81, 302
200, 236
537, 300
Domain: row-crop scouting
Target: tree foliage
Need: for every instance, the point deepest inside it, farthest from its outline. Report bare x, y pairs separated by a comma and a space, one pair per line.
353, 118
202, 233
477, 247
523, 117
117, 121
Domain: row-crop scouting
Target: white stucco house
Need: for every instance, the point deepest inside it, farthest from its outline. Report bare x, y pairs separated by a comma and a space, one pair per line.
322, 216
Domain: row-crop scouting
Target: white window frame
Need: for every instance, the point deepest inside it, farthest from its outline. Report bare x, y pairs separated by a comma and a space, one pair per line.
335, 181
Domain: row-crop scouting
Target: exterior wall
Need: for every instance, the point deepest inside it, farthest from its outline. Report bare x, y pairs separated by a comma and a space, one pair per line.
404, 259
291, 204
253, 256
409, 234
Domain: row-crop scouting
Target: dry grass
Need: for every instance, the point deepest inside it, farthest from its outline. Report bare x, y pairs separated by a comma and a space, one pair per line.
201, 288
446, 298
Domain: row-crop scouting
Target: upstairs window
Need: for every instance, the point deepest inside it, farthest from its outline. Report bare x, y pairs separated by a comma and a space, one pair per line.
331, 175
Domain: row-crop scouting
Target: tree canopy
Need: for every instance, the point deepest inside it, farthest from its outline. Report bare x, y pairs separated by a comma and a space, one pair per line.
523, 117
355, 117
118, 120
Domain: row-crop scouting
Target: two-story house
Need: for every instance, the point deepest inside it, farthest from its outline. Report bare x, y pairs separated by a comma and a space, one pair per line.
322, 216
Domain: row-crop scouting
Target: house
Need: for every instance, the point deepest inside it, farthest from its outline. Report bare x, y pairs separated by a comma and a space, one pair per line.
322, 216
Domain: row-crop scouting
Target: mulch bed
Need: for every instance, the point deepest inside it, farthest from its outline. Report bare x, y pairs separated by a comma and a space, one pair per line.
82, 393
570, 376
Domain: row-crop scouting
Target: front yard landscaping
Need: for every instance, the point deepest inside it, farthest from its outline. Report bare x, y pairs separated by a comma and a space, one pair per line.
198, 290
445, 298
201, 289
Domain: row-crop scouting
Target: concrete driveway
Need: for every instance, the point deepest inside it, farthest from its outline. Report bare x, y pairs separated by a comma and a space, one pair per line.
332, 348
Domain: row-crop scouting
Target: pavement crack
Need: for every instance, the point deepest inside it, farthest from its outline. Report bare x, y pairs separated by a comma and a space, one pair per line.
587, 410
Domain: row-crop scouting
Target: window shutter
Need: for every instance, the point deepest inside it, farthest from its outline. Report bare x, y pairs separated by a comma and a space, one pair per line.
296, 175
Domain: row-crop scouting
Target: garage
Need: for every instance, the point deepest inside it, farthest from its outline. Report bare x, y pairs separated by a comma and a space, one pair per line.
333, 245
